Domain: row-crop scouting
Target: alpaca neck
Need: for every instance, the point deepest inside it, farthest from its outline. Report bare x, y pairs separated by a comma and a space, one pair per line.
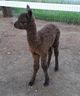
32, 34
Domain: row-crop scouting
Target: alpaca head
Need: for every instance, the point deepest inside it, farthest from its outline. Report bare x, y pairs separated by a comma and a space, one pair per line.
24, 19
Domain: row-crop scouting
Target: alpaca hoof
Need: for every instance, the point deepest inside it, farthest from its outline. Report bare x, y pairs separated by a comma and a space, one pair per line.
56, 69
31, 83
46, 83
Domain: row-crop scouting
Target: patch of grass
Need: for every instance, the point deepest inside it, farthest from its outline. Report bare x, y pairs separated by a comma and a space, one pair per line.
59, 16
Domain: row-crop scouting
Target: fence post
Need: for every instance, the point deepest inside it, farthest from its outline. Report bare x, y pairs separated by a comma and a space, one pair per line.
7, 11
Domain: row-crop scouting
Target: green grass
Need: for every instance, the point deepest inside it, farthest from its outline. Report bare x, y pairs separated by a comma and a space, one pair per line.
58, 16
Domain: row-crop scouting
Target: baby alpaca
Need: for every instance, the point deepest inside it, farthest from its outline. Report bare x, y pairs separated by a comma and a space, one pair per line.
41, 43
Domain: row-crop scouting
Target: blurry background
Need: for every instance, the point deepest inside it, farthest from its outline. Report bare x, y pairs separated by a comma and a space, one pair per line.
60, 16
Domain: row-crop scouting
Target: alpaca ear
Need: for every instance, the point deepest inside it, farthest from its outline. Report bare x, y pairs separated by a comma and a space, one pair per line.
29, 11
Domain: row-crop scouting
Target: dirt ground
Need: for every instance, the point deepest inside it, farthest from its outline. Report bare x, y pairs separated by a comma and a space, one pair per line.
16, 62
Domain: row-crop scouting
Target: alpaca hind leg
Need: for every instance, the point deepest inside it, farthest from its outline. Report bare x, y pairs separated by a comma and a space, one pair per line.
45, 67
49, 56
35, 67
56, 53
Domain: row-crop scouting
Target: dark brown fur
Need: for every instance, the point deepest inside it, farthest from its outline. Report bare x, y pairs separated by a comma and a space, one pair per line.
41, 43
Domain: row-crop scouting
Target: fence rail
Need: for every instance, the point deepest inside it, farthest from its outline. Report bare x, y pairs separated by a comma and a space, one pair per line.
43, 6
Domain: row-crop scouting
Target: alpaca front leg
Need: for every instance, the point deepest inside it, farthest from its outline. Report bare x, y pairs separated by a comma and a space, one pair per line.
45, 67
35, 69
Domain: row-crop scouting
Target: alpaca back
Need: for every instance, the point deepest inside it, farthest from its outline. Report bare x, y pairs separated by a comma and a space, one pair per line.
48, 35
